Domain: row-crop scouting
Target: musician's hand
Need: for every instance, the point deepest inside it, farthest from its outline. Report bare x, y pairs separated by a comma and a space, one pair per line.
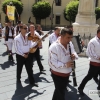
70, 64
72, 56
25, 56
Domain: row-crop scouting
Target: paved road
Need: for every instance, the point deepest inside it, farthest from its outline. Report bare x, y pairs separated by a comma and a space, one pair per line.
9, 90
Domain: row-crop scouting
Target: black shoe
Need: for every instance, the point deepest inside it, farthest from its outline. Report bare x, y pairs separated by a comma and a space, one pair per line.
81, 92
34, 84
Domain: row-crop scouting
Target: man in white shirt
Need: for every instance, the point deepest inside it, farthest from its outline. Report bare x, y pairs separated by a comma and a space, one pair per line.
93, 51
60, 62
22, 48
53, 37
8, 34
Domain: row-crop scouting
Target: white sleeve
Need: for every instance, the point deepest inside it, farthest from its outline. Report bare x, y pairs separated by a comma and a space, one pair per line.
17, 47
38, 34
53, 59
51, 39
91, 51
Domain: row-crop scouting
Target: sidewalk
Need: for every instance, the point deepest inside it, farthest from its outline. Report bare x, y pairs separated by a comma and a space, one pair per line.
9, 90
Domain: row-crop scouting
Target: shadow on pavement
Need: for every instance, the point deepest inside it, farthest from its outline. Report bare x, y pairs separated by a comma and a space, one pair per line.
21, 93
38, 78
7, 64
4, 53
72, 95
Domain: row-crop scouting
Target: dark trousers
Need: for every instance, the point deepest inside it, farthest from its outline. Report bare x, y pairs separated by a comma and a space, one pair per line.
93, 70
36, 55
27, 62
60, 87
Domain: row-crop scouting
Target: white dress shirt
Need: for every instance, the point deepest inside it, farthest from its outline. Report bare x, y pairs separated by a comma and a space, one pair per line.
52, 38
59, 56
23, 45
93, 49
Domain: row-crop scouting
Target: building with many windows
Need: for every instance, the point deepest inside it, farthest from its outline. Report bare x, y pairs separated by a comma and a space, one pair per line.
58, 16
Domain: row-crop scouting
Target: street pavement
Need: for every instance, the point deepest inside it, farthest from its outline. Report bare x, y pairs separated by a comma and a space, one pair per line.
10, 90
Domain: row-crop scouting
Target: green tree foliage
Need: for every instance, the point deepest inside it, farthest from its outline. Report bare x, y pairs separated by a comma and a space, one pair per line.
97, 11
71, 10
18, 5
41, 9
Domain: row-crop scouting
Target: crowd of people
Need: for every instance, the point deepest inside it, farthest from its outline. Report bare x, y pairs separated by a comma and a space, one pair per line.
27, 41
19, 38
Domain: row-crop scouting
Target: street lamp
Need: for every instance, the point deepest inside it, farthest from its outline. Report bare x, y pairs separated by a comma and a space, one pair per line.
52, 15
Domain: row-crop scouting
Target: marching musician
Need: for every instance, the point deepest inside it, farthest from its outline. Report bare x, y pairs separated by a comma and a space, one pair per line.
53, 37
17, 27
8, 34
36, 54
60, 62
94, 56
22, 47
39, 29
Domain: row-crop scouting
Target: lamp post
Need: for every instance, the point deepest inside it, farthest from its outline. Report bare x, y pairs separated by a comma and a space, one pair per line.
52, 15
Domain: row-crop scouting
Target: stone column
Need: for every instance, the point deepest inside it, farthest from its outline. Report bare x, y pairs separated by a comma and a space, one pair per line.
85, 20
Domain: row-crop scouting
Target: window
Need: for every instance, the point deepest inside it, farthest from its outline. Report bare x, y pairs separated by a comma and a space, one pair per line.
57, 19
38, 21
58, 2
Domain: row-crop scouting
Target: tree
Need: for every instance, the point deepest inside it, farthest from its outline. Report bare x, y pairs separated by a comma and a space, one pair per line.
18, 5
41, 9
97, 11
71, 11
